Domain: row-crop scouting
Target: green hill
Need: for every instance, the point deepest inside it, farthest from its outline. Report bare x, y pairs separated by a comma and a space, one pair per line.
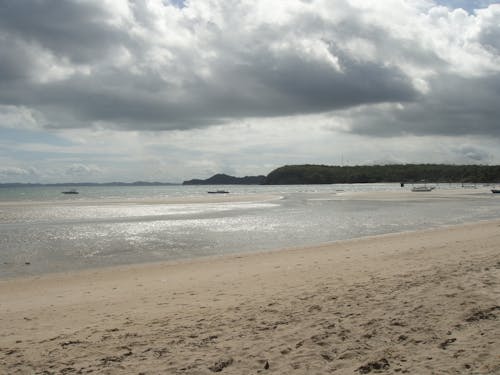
224, 179
323, 174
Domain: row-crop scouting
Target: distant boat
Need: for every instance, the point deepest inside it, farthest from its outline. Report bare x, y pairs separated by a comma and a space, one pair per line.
218, 192
495, 191
422, 188
72, 191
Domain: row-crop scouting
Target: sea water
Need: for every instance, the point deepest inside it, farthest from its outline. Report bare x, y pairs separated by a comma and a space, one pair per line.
42, 230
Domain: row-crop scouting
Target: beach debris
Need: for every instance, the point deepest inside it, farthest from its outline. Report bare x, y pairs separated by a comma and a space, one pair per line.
264, 363
157, 353
71, 342
314, 308
381, 364
68, 370
221, 364
109, 360
207, 340
447, 342
398, 323
327, 357
483, 314
286, 351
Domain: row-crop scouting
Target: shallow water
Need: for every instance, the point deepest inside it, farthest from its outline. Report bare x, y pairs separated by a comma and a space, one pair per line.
75, 232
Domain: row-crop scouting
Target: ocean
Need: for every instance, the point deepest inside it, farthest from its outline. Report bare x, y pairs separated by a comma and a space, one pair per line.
44, 231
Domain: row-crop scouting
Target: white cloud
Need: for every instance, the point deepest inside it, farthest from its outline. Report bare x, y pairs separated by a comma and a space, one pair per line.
83, 170
15, 172
474, 153
19, 117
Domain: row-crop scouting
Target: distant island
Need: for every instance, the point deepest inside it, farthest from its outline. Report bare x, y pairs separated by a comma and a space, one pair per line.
136, 183
224, 179
323, 174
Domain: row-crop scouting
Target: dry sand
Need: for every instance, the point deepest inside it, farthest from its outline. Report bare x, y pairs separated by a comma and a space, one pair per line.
425, 302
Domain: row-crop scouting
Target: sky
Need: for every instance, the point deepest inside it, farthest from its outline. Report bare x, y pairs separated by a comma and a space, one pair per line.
169, 90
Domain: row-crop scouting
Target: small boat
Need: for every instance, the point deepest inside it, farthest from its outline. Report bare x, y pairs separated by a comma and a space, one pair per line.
495, 191
218, 192
72, 191
422, 188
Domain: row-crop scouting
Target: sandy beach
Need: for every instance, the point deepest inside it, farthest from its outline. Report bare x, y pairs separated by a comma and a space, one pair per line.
425, 302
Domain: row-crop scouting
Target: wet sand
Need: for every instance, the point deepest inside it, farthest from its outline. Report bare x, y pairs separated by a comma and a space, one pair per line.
407, 195
209, 198
425, 302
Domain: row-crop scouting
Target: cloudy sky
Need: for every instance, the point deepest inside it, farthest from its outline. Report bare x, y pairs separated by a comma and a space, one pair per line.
167, 90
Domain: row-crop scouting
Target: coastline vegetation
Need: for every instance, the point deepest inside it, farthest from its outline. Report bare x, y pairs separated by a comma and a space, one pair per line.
324, 174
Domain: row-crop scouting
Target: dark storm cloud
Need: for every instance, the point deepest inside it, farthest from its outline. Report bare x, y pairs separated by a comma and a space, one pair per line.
455, 106
296, 88
16, 61
73, 29
284, 85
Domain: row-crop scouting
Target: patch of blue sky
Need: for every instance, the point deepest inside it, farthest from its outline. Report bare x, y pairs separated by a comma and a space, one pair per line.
32, 136
468, 5
177, 3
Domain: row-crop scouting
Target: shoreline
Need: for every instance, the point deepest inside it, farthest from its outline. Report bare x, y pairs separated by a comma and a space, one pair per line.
144, 266
397, 301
